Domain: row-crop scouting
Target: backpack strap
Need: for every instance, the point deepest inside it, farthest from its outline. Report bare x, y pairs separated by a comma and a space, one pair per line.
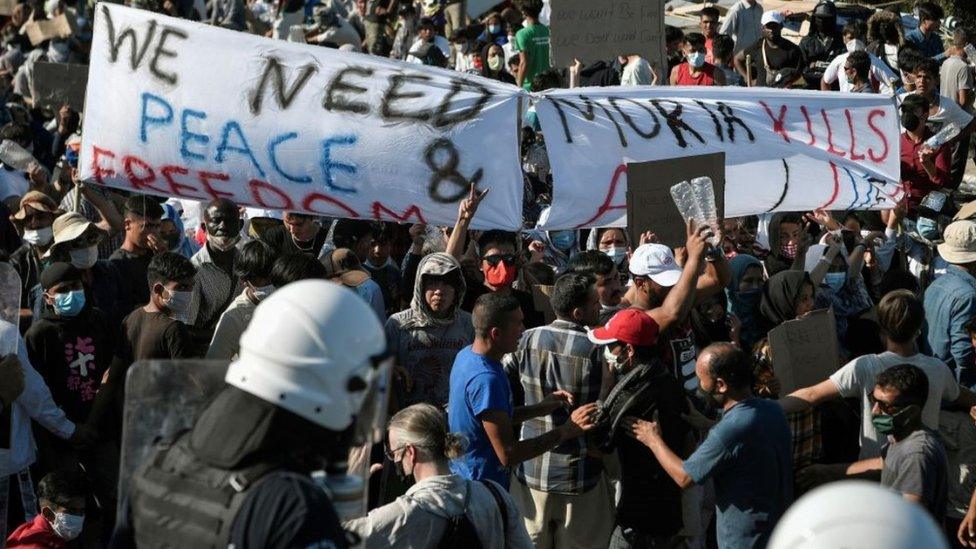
502, 508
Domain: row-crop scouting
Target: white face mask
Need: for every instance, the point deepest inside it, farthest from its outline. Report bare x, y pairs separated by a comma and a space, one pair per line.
39, 237
611, 359
84, 258
855, 45
617, 254
68, 526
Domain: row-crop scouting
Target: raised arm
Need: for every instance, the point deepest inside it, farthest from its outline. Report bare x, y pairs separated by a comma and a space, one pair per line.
680, 299
466, 211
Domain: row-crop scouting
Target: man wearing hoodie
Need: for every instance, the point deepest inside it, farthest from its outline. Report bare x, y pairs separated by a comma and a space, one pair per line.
426, 337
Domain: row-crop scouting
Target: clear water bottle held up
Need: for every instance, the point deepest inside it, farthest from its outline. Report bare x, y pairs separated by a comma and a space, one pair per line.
686, 202
705, 193
946, 134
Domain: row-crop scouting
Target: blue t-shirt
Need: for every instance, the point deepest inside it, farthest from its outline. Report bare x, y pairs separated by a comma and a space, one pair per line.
749, 455
478, 383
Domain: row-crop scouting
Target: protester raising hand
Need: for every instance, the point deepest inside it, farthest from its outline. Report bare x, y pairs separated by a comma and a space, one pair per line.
823, 218
466, 212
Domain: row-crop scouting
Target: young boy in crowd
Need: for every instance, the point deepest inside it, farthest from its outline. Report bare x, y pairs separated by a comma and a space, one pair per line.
62, 517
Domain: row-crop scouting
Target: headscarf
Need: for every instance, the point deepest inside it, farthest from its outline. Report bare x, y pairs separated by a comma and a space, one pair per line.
780, 295
745, 306
706, 330
184, 248
555, 258
776, 261
435, 264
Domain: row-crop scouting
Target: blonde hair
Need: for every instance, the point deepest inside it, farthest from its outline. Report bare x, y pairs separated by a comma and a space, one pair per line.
424, 427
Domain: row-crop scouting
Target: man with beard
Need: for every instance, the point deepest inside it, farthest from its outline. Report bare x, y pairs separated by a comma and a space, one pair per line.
748, 453
655, 272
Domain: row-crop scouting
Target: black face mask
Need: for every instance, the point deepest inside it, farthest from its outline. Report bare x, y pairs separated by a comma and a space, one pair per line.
910, 121
173, 240
401, 473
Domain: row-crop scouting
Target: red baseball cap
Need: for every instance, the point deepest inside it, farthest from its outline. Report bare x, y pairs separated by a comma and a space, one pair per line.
631, 326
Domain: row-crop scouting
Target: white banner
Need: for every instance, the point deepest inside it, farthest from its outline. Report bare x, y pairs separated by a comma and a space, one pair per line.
183, 109
785, 150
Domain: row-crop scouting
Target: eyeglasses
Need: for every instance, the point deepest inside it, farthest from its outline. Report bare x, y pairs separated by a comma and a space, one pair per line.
391, 453
494, 260
885, 407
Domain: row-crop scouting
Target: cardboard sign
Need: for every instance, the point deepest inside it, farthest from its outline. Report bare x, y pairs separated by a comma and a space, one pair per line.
56, 84
805, 351
785, 150
39, 31
540, 298
7, 7
603, 30
285, 126
649, 203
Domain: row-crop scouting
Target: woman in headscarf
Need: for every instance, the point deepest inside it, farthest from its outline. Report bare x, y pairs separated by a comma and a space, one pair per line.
427, 336
744, 294
712, 322
786, 296
554, 248
787, 241
171, 230
842, 287
613, 242
493, 64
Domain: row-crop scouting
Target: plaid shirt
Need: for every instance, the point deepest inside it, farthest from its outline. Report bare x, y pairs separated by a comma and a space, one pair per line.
552, 358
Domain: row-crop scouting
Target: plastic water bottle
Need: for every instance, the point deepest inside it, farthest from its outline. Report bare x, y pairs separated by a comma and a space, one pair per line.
946, 134
705, 194
686, 201
15, 156
347, 492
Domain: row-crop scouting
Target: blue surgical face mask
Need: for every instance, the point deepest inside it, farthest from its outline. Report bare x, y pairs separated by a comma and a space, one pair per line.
835, 281
617, 254
69, 304
563, 240
696, 59
928, 228
494, 29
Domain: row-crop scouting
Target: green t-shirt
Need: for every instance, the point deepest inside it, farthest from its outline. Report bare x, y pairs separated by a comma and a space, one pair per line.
534, 41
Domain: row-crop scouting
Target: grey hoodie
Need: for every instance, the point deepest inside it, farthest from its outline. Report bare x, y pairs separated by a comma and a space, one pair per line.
424, 345
418, 518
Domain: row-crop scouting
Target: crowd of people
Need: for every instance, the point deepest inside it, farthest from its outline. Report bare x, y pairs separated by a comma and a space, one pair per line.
569, 388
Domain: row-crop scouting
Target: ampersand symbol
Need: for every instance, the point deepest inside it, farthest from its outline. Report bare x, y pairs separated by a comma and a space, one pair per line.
447, 173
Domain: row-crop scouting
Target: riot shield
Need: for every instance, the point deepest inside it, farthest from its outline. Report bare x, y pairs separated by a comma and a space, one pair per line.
162, 398
9, 294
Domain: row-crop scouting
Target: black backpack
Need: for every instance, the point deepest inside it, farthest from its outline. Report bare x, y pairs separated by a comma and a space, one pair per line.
460, 531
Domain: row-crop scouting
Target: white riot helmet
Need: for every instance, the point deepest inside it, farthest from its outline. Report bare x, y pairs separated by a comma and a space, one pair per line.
313, 348
856, 514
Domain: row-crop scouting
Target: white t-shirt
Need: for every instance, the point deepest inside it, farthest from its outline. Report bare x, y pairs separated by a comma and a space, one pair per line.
857, 378
949, 111
637, 73
879, 73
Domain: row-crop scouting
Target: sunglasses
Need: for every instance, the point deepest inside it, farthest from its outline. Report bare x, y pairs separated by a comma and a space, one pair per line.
884, 406
494, 260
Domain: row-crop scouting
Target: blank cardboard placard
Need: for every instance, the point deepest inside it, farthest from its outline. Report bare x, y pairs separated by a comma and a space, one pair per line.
804, 351
56, 84
602, 30
39, 31
7, 7
540, 298
649, 203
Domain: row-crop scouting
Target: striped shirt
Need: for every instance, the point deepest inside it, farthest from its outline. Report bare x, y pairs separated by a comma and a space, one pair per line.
551, 358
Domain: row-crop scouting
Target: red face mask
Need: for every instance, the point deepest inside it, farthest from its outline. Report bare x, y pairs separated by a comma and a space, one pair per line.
500, 276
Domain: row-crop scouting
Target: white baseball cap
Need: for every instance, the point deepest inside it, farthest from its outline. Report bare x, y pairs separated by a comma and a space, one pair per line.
772, 17
655, 261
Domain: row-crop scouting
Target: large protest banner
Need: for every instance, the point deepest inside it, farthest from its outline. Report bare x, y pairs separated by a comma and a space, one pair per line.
593, 31
785, 150
178, 108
